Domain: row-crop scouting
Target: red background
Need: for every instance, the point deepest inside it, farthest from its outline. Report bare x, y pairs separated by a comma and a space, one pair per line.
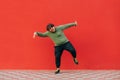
96, 38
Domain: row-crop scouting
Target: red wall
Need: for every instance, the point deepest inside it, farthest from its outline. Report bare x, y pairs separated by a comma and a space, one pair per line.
96, 39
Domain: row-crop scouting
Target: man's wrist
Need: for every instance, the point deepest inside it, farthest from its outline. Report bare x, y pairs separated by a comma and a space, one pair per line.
75, 23
36, 33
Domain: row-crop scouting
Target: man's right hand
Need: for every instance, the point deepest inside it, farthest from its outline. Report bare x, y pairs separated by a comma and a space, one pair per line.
75, 23
34, 35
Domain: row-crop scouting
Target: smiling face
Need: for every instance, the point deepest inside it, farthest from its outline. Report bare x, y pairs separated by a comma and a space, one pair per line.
52, 29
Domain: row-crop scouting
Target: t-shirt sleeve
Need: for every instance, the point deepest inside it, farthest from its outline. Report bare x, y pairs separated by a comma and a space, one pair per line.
42, 34
65, 26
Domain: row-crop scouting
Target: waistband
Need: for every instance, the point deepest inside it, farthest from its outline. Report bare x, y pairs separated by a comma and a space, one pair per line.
62, 44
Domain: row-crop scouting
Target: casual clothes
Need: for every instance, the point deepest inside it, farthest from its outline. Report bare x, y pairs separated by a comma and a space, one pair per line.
59, 49
58, 36
61, 42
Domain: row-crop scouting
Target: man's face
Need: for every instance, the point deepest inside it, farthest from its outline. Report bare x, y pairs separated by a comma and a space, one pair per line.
52, 29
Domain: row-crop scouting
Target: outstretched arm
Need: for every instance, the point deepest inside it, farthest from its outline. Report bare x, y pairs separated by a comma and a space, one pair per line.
39, 34
65, 26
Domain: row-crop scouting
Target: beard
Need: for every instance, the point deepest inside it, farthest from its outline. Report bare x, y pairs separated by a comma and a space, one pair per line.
54, 30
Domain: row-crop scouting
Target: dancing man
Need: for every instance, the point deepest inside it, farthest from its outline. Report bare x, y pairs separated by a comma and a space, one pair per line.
60, 40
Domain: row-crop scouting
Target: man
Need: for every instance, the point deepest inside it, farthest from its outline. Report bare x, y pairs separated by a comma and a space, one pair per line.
60, 40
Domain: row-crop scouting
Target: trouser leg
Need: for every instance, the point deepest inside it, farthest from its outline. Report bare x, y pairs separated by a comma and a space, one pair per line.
58, 53
69, 47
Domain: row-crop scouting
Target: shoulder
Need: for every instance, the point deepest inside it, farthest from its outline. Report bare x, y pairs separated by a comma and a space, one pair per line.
59, 27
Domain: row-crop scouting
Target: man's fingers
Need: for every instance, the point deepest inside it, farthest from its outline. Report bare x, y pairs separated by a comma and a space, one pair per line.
34, 35
76, 23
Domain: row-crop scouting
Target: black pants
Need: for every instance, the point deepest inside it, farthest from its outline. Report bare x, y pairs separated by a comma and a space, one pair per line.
59, 49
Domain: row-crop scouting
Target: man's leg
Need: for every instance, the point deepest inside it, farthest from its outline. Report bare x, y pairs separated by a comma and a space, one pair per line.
58, 53
69, 47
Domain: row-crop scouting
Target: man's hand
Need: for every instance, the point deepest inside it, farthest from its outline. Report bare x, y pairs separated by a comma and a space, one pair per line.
75, 23
34, 35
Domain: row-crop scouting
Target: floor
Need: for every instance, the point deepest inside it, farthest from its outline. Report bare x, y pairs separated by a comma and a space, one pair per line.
64, 75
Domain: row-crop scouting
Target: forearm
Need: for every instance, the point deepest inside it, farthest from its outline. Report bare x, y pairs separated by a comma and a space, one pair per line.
41, 34
65, 26
69, 25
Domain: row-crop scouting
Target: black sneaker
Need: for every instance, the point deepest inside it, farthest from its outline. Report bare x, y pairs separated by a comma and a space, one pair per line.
57, 71
75, 61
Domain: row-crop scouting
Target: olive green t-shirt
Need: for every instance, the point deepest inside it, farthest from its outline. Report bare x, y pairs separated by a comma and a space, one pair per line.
58, 37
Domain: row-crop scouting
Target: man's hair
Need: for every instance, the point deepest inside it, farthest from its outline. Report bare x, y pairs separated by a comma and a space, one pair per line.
50, 25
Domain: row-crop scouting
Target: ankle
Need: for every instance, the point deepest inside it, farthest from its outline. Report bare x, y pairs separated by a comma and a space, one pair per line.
58, 69
75, 58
